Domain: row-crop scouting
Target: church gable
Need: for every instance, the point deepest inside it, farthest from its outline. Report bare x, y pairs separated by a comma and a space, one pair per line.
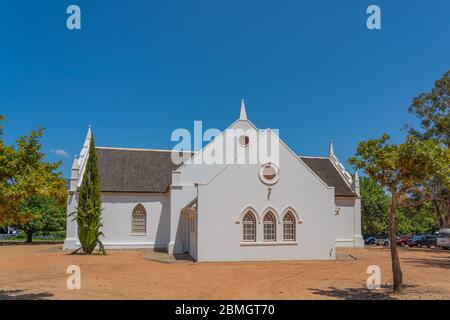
288, 163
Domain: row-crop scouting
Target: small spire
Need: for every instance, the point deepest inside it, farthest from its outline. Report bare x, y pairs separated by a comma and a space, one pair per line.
75, 163
331, 149
89, 133
243, 115
87, 141
356, 185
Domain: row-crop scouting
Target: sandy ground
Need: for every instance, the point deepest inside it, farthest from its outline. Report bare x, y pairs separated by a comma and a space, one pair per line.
39, 272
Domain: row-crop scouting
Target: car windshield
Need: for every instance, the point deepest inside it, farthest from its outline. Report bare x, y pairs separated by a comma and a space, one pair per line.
444, 235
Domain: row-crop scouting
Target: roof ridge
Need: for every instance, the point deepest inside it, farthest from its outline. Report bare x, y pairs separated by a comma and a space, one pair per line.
311, 157
141, 149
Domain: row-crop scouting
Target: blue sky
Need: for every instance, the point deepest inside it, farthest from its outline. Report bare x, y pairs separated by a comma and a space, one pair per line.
140, 69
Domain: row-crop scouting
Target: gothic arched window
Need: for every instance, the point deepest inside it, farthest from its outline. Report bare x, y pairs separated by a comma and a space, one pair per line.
139, 220
249, 227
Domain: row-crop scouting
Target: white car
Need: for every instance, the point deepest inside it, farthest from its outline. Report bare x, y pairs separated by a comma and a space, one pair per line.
443, 240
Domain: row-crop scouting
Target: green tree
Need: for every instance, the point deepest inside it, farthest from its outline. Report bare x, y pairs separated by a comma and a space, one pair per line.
89, 209
48, 215
25, 174
432, 109
398, 169
374, 207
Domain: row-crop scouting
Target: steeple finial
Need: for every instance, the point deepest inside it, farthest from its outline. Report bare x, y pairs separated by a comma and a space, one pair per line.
331, 149
243, 115
89, 133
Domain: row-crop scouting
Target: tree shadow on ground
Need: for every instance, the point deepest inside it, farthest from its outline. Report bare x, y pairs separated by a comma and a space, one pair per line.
426, 250
353, 293
21, 295
385, 293
433, 262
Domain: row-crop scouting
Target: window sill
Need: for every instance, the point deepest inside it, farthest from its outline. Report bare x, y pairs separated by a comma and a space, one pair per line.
138, 234
267, 243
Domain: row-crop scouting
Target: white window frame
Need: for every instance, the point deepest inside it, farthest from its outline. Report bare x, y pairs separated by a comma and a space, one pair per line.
292, 223
139, 210
245, 224
270, 227
269, 181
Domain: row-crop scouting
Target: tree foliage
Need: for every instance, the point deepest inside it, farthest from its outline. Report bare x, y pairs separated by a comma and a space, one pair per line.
89, 209
24, 174
374, 207
410, 218
432, 109
48, 215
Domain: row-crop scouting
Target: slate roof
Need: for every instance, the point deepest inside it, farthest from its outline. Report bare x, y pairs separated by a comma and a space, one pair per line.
144, 170
135, 170
325, 169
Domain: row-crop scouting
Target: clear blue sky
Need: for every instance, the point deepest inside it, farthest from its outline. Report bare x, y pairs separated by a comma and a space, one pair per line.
140, 69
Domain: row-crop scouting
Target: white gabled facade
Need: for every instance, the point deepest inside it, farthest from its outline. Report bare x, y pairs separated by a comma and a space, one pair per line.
207, 208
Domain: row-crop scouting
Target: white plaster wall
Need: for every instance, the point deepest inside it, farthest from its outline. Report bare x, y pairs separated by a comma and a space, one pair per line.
71, 226
222, 201
180, 196
344, 222
116, 217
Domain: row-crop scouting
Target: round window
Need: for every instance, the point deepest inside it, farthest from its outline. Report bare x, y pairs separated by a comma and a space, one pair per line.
269, 173
244, 140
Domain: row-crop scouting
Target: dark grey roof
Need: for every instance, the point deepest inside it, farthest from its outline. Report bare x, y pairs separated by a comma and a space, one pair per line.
135, 170
325, 169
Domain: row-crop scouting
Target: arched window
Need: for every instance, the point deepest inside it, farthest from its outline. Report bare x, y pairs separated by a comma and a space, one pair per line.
270, 227
249, 227
139, 220
289, 226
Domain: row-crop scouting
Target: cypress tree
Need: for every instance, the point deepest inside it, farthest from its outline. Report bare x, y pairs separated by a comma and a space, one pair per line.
89, 208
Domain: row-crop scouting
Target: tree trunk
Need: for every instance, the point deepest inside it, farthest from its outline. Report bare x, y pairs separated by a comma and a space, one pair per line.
29, 234
437, 212
396, 269
446, 223
446, 210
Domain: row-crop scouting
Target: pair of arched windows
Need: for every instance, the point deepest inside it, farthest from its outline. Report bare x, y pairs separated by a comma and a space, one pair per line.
139, 220
269, 226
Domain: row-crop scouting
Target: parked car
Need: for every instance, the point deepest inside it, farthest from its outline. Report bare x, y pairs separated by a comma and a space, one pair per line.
403, 240
443, 239
382, 241
370, 240
423, 240
386, 241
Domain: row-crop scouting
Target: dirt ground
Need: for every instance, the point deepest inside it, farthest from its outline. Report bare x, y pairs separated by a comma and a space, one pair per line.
39, 272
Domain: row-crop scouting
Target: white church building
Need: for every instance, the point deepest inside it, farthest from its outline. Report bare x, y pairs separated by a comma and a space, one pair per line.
292, 208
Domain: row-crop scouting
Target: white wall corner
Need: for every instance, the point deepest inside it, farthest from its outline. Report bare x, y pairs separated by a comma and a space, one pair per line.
177, 179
